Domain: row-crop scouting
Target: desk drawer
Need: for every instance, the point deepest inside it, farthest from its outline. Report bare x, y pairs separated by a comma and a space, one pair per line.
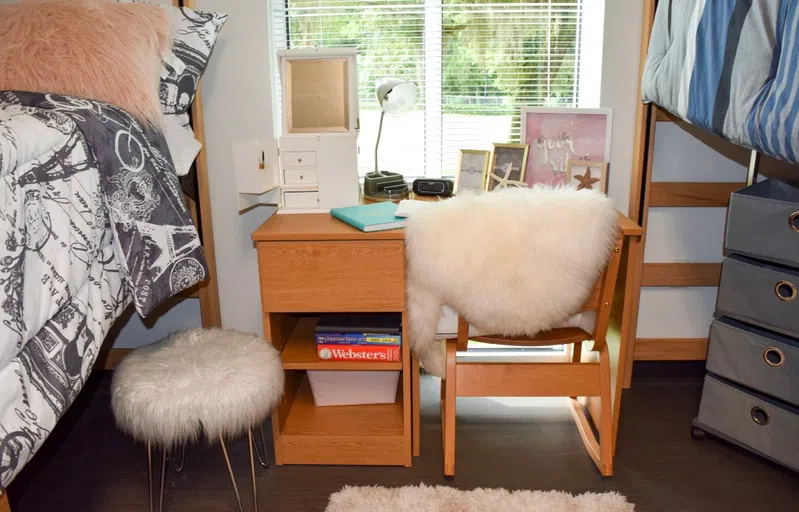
338, 276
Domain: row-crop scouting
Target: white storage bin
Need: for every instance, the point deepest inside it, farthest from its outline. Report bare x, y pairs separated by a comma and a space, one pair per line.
333, 387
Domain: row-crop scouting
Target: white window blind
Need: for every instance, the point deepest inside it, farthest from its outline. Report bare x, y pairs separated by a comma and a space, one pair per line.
475, 62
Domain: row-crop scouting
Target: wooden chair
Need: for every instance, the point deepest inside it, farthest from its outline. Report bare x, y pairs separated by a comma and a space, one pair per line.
573, 379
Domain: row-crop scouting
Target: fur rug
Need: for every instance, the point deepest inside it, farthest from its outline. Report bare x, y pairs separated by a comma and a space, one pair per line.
447, 499
217, 382
512, 262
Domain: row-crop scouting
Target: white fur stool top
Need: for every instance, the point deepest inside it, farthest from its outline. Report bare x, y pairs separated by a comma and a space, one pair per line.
217, 381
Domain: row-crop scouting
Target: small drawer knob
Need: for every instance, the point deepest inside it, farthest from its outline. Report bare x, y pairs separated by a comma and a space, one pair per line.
759, 415
299, 160
793, 221
774, 357
785, 291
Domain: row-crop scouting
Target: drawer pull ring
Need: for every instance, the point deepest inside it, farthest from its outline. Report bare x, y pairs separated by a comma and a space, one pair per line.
759, 415
774, 357
785, 291
793, 221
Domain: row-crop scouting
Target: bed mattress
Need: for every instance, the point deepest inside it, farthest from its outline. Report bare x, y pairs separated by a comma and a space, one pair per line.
730, 68
92, 219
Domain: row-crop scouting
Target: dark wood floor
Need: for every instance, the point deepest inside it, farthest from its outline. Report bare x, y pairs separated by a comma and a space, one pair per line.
87, 465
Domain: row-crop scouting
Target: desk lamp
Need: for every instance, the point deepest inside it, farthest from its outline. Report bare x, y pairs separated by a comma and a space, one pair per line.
395, 97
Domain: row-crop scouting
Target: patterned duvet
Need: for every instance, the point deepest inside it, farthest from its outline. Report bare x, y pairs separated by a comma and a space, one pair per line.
729, 67
91, 219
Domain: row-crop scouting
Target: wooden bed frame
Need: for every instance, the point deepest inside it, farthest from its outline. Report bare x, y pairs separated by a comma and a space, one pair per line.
207, 291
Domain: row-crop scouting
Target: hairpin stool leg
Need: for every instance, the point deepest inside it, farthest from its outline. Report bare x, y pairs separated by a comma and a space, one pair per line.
230, 470
172, 464
163, 479
252, 471
150, 474
264, 461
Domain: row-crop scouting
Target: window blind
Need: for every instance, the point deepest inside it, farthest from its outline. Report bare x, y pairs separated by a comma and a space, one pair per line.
476, 62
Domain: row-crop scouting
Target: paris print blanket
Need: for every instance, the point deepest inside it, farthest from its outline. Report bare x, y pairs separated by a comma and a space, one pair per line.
91, 219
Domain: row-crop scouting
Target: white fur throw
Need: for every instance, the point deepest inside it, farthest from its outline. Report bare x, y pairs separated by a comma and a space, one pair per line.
212, 381
512, 262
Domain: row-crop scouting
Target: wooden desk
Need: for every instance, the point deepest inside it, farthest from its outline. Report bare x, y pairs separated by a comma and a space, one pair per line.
313, 263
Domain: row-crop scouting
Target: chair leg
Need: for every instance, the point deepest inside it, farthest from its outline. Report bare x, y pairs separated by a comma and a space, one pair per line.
449, 411
577, 352
606, 419
252, 471
230, 471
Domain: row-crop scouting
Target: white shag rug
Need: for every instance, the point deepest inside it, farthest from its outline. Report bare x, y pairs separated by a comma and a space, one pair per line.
424, 498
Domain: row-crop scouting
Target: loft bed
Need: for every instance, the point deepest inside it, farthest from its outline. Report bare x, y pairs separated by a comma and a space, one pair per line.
73, 214
692, 75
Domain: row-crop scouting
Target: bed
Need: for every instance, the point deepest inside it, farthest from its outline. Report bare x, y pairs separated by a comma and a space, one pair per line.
99, 211
728, 67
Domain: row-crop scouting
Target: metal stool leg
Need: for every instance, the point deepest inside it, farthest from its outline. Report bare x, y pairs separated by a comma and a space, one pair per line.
163, 478
150, 474
230, 470
263, 461
252, 471
172, 464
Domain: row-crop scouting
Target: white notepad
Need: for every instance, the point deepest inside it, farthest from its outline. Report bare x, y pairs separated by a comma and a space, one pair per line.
407, 207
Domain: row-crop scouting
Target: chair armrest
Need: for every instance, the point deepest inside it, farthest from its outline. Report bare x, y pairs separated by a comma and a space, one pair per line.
627, 226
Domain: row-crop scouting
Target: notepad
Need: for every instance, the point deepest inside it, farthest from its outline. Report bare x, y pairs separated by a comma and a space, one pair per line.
370, 217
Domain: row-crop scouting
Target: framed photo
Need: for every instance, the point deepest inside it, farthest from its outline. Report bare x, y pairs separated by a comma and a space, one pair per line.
557, 135
587, 175
508, 164
472, 170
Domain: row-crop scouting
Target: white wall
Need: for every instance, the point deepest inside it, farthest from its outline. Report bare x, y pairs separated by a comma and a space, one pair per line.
620, 58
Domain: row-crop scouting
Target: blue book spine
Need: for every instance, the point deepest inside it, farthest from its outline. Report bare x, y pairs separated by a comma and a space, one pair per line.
323, 338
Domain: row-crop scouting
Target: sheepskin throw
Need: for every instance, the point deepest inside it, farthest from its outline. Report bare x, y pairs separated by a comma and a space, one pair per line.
93, 49
512, 262
219, 382
426, 498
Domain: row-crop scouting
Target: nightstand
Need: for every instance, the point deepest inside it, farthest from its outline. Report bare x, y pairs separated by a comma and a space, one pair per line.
310, 264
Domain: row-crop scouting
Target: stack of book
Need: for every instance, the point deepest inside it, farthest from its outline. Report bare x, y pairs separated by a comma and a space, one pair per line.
359, 337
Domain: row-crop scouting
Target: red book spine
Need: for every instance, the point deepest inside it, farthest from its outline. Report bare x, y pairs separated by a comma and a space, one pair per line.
365, 353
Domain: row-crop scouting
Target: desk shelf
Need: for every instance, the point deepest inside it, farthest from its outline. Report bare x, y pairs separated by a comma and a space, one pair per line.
300, 353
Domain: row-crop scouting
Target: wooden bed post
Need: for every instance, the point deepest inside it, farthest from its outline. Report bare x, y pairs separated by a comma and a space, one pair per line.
209, 289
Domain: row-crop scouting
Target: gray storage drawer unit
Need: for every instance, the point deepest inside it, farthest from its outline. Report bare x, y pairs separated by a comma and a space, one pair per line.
751, 391
750, 420
763, 222
755, 358
759, 293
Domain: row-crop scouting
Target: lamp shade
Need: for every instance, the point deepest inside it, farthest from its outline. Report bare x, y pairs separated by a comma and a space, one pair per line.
396, 96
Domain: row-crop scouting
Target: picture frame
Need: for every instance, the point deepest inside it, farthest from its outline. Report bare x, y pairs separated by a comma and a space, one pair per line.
558, 134
502, 155
587, 175
472, 170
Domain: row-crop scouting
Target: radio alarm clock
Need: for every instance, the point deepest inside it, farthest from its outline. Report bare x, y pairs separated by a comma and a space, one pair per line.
433, 187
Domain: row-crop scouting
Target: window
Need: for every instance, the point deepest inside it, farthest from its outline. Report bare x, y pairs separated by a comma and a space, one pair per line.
476, 63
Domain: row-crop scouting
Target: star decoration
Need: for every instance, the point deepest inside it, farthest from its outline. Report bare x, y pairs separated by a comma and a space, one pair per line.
586, 181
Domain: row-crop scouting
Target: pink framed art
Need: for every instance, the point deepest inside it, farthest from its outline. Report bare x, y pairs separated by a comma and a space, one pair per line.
557, 135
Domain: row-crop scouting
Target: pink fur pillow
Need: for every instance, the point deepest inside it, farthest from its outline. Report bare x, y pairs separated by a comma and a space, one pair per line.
89, 48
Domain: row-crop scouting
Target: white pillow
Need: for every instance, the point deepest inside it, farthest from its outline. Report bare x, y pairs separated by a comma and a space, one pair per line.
180, 138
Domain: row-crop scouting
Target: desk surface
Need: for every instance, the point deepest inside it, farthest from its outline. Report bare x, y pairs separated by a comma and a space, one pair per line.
323, 226
316, 226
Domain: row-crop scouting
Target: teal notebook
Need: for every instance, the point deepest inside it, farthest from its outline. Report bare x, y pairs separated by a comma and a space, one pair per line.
370, 217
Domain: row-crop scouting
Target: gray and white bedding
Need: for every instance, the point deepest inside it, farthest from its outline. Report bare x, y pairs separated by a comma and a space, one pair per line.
92, 219
729, 67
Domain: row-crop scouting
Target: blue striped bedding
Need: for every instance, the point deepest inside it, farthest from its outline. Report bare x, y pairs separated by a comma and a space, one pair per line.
730, 67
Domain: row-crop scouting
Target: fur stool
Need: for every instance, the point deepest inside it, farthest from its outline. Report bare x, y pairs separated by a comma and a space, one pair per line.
216, 383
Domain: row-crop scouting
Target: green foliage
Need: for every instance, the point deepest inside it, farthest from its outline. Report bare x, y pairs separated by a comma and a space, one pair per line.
497, 54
